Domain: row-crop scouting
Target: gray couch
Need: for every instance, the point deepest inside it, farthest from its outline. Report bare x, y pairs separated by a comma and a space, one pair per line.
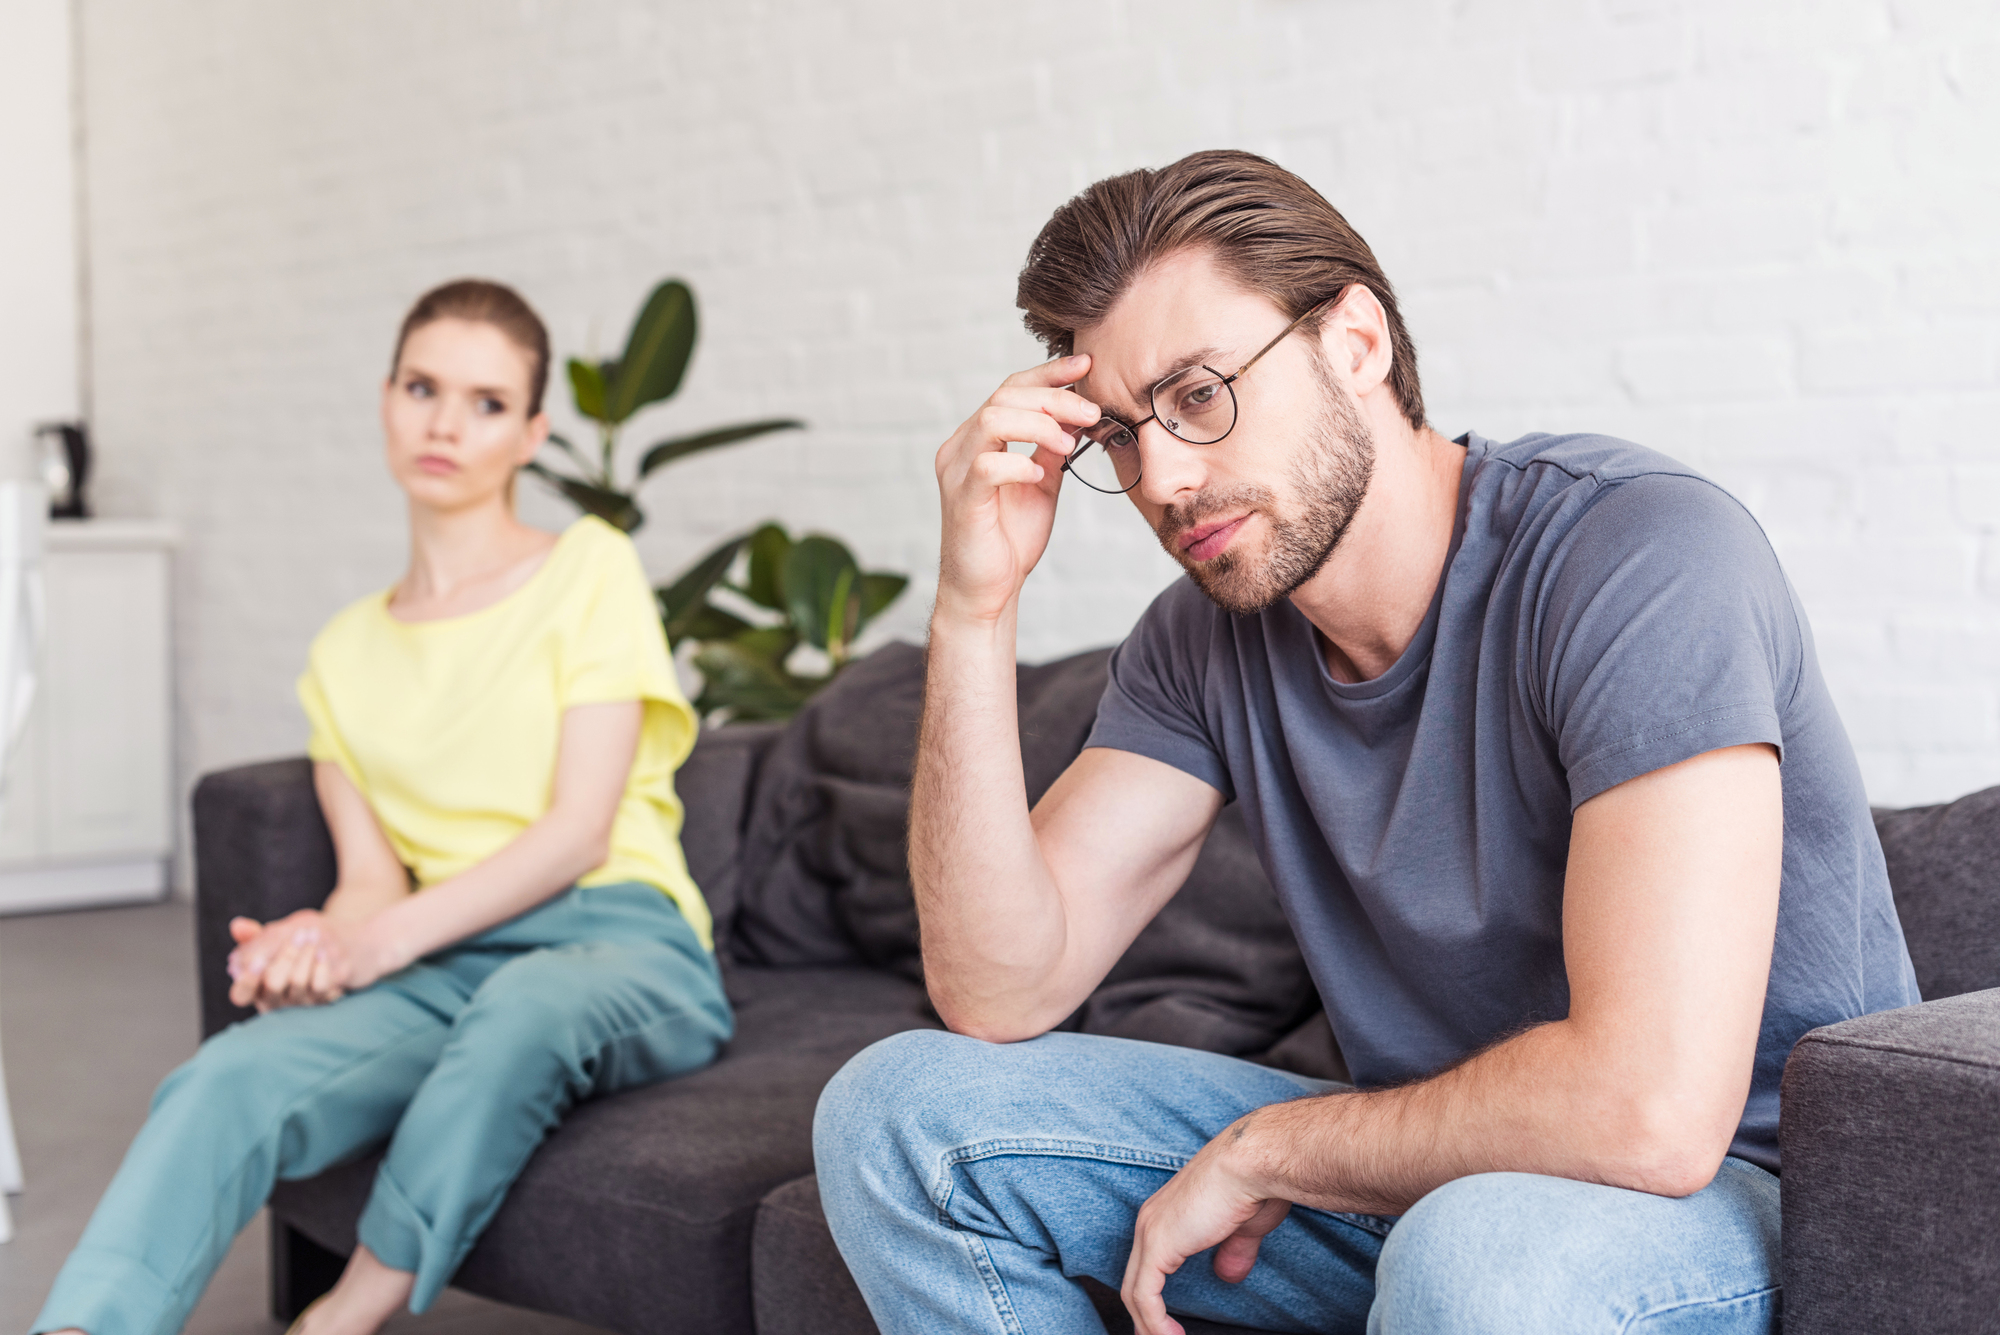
691, 1206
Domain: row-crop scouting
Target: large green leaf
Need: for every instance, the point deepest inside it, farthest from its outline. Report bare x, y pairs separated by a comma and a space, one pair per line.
586, 386
656, 352
879, 588
769, 546
681, 446
613, 507
682, 599
706, 621
820, 573
748, 685
773, 644
843, 613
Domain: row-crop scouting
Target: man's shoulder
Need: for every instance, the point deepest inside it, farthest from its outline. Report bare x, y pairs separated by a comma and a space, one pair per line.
1570, 486
1579, 456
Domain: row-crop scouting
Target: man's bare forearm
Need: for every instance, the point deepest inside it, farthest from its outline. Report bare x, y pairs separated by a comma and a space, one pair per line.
1553, 1101
993, 924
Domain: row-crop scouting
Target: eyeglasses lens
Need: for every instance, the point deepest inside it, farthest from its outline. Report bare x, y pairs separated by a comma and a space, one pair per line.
1197, 405
1106, 457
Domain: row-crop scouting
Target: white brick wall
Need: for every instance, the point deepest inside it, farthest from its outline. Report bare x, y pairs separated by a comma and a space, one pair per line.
38, 271
1760, 236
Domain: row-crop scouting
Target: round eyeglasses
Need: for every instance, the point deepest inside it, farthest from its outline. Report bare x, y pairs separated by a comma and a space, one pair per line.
1197, 405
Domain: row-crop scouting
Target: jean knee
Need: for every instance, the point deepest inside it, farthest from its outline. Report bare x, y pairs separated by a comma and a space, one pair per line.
897, 1094
1444, 1260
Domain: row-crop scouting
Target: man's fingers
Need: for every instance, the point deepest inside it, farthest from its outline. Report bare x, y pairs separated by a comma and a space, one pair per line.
1145, 1299
1235, 1258
999, 426
1000, 470
1057, 371
1063, 405
1236, 1255
1145, 1285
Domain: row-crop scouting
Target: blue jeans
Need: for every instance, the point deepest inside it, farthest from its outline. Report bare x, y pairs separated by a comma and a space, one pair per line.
463, 1062
970, 1184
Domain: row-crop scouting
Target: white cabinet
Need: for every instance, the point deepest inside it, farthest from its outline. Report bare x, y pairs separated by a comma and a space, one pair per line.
89, 811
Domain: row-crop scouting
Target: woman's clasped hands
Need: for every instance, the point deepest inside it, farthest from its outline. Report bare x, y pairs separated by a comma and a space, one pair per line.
302, 959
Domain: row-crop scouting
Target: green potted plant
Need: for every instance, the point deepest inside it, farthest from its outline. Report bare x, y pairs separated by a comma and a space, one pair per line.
785, 603
649, 371
790, 595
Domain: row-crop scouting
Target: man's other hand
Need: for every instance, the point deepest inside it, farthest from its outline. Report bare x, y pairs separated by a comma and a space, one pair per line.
1209, 1203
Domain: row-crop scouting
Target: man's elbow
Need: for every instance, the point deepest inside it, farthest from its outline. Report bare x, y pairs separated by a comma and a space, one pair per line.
1665, 1148
988, 1023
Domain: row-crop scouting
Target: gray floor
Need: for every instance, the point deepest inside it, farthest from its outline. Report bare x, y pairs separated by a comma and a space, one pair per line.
94, 1009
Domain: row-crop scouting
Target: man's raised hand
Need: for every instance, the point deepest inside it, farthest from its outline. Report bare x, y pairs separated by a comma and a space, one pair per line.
998, 506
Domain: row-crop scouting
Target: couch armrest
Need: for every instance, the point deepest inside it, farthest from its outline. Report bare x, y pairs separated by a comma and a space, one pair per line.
1891, 1138
261, 850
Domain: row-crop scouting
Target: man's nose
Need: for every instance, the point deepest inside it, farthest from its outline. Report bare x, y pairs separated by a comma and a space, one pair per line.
1170, 469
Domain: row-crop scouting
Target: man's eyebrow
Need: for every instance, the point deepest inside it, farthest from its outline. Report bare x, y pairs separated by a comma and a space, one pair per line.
1160, 371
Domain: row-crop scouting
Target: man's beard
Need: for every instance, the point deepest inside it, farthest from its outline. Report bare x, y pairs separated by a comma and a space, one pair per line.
1329, 480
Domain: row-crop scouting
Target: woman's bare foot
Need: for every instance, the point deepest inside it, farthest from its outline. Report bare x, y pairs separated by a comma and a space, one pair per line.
368, 1294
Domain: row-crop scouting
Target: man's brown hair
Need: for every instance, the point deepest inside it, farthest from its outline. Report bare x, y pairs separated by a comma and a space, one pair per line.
482, 301
1266, 227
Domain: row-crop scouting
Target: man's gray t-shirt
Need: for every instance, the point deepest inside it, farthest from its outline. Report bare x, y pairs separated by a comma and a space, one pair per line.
1604, 612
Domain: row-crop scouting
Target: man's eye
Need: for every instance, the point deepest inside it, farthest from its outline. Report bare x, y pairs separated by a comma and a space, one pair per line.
419, 389
1202, 393
1121, 439
492, 407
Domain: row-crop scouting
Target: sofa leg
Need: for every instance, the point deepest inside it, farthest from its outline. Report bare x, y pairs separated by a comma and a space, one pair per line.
301, 1270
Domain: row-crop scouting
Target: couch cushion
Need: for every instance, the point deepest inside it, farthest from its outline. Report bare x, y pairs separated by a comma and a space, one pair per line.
714, 785
636, 1214
1944, 868
825, 876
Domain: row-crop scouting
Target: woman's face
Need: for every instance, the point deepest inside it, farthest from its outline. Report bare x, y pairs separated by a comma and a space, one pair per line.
455, 414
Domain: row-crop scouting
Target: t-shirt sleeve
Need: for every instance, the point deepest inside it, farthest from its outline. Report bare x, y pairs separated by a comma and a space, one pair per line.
617, 650
323, 740
1666, 630
1152, 705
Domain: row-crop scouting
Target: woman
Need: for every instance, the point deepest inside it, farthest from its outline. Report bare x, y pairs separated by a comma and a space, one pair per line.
513, 927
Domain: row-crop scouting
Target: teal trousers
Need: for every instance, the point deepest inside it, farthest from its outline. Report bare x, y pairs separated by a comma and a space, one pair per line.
463, 1063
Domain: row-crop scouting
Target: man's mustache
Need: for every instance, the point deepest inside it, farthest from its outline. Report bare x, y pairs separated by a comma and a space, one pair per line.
1206, 505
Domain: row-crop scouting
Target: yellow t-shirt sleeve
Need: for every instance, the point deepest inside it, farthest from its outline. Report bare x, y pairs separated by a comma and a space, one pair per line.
323, 742
618, 650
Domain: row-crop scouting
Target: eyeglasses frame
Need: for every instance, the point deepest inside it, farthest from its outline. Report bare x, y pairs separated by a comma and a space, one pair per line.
1228, 382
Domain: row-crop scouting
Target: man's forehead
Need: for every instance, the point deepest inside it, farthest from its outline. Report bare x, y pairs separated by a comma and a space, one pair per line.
1109, 391
1181, 311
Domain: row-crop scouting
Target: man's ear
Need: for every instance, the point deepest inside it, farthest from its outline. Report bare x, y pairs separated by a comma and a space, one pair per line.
1355, 340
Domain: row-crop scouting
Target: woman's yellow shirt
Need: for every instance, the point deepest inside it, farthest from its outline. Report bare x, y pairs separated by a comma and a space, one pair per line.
449, 728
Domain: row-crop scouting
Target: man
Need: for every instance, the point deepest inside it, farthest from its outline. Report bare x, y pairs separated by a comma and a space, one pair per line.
1537, 755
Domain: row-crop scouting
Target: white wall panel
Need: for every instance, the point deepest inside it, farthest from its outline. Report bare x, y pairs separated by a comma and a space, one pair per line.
38, 254
1759, 236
